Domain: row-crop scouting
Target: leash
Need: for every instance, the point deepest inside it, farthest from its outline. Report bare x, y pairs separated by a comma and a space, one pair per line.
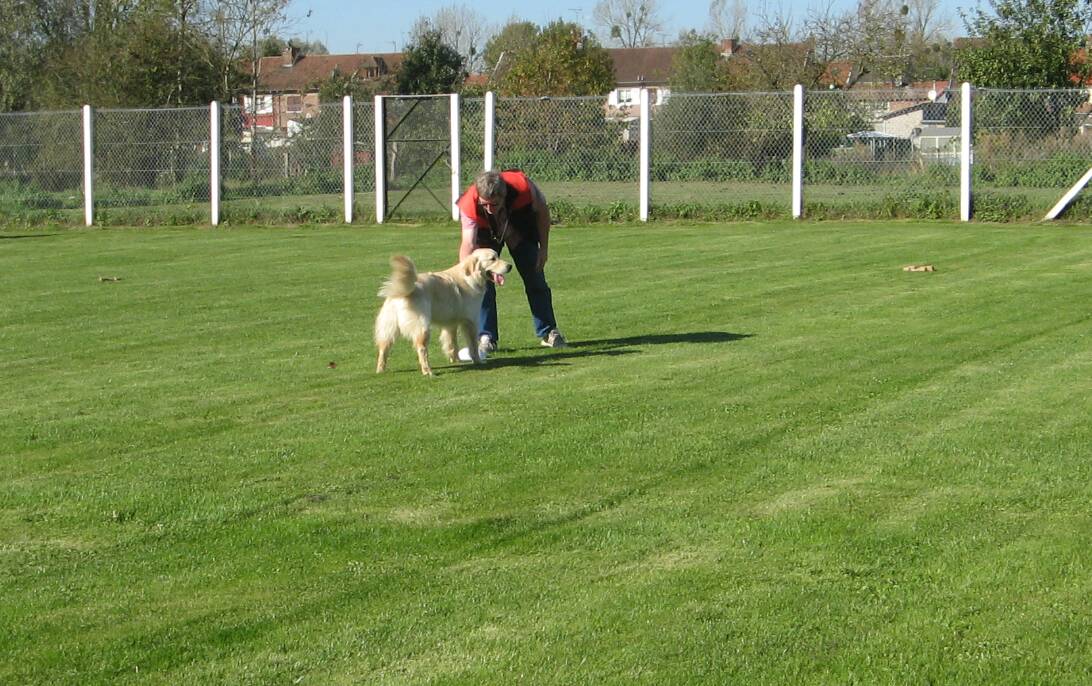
504, 232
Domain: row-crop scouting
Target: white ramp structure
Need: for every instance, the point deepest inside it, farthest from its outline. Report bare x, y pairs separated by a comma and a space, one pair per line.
1068, 197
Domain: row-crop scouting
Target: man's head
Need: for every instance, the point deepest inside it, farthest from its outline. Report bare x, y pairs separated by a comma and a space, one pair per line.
491, 190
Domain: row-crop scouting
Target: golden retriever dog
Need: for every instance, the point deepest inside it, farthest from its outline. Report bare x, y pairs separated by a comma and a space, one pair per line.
450, 299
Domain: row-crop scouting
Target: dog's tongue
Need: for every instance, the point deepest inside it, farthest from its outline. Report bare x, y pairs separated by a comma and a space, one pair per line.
498, 279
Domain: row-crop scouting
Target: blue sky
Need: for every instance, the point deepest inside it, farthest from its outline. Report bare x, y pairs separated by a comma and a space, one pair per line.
347, 26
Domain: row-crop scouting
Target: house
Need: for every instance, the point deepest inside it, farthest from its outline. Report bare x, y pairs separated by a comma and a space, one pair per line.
637, 68
916, 125
1082, 115
903, 117
288, 84
634, 69
924, 124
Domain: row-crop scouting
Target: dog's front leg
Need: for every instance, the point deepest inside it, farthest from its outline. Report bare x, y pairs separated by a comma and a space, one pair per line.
420, 341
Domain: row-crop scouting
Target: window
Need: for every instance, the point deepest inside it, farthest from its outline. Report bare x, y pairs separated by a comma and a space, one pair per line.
264, 104
293, 103
625, 96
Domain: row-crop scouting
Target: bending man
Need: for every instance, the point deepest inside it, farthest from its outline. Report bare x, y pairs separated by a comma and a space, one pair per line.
507, 208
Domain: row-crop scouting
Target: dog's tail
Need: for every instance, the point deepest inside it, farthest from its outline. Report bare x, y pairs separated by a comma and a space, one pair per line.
403, 278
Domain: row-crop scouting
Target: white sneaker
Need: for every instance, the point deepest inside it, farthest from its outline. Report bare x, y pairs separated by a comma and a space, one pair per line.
485, 346
554, 339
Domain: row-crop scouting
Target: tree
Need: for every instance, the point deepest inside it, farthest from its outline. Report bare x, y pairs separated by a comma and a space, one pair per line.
164, 63
697, 66
561, 60
932, 61
630, 23
19, 55
128, 52
236, 29
460, 27
430, 66
873, 39
923, 23
1026, 44
272, 46
727, 18
879, 44
500, 49
931, 55
780, 56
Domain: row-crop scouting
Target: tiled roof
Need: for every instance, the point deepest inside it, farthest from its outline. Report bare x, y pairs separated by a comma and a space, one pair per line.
308, 70
930, 111
642, 66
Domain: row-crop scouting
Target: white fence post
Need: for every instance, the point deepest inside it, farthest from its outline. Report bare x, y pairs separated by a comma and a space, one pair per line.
797, 151
214, 163
490, 109
380, 161
88, 168
347, 154
646, 153
966, 155
456, 145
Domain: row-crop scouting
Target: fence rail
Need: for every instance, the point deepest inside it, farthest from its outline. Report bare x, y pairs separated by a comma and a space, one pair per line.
859, 153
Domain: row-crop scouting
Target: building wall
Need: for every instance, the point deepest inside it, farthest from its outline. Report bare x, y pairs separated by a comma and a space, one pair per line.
902, 126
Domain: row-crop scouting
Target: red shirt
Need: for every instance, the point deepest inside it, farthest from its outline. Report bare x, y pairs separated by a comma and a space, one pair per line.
519, 196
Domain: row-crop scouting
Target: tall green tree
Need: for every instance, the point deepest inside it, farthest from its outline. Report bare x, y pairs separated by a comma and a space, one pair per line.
562, 60
697, 66
1026, 44
147, 56
19, 55
502, 47
430, 66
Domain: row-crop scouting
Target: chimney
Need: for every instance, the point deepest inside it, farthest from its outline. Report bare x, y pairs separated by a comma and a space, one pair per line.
290, 56
729, 47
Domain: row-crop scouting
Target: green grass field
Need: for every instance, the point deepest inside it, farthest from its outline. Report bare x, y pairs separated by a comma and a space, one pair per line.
771, 456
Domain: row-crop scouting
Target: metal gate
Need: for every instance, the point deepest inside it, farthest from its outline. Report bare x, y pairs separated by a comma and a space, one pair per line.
419, 135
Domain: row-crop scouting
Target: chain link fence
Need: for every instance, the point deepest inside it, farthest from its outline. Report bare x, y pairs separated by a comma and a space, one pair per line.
364, 158
729, 149
887, 152
418, 155
293, 169
1029, 148
471, 140
580, 153
157, 160
866, 154
41, 165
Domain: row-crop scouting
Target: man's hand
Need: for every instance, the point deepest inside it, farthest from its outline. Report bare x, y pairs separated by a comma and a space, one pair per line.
543, 255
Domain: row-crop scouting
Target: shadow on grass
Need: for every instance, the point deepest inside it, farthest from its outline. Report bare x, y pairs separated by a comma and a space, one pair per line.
610, 347
29, 235
663, 339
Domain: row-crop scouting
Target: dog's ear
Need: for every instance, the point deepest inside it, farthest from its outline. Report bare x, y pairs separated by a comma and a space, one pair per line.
471, 265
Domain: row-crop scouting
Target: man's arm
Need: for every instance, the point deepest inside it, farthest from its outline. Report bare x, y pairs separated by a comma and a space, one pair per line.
470, 230
542, 213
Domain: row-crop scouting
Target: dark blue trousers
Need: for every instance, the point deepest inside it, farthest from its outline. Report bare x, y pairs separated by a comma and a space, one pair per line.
539, 297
